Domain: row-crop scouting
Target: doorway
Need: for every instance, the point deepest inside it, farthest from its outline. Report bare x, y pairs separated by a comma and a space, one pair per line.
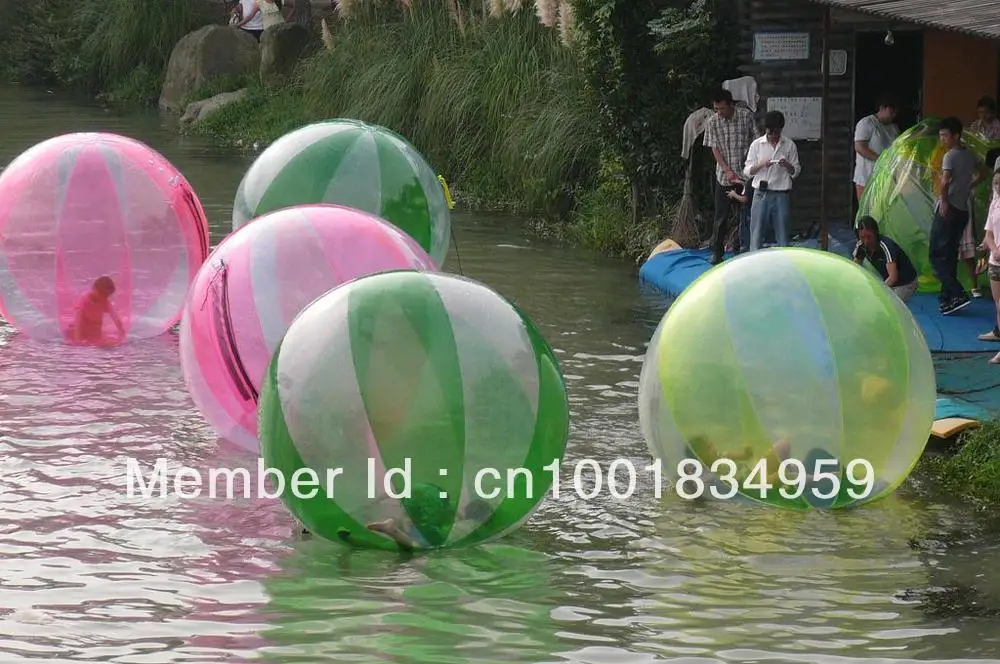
897, 68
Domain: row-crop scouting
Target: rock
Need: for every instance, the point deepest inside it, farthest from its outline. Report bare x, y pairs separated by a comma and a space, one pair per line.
281, 48
212, 52
199, 110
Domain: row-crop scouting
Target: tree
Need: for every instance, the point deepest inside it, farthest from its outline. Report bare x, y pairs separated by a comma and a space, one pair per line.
651, 63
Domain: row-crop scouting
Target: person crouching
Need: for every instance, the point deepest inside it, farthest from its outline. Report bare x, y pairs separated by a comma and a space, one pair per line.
888, 259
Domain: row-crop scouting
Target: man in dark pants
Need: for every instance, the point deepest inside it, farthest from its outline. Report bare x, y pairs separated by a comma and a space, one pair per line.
729, 133
959, 175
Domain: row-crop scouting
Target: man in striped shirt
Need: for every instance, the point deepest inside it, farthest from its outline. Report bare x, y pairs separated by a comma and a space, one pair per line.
729, 134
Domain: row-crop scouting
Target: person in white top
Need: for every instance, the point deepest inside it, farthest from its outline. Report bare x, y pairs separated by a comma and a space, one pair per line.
253, 19
271, 10
992, 243
772, 164
873, 134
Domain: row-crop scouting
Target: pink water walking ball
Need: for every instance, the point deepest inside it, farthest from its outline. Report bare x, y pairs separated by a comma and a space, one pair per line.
100, 238
254, 284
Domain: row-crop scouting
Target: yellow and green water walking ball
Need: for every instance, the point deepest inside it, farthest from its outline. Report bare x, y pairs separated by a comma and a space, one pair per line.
790, 377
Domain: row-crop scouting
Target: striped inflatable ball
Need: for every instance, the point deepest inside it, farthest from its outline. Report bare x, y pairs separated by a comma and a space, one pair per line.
425, 405
253, 285
347, 162
96, 230
791, 377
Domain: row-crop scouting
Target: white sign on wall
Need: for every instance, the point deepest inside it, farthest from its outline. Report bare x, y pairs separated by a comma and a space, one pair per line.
838, 63
803, 116
780, 46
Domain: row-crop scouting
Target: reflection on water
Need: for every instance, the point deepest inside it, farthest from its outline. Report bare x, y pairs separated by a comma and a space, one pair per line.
90, 574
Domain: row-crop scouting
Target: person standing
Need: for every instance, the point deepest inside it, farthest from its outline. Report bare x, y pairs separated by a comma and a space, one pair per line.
992, 243
271, 11
772, 164
873, 134
729, 133
987, 124
252, 20
959, 174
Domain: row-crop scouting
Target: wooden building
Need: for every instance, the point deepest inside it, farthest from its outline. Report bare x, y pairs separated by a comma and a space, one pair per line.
937, 56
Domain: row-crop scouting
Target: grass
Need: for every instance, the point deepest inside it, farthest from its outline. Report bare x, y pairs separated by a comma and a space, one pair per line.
972, 474
260, 117
219, 85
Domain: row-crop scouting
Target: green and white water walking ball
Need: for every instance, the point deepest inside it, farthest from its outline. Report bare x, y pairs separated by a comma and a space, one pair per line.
428, 372
796, 376
351, 163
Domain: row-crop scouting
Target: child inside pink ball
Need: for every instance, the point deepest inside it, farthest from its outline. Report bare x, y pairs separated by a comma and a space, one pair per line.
91, 308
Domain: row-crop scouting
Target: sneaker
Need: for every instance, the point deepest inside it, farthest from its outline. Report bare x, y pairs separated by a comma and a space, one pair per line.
995, 359
955, 305
990, 336
976, 293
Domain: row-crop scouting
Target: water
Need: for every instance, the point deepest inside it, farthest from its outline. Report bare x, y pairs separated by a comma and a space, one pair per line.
88, 574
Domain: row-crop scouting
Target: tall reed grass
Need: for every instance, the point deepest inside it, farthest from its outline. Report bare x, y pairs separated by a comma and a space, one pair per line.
497, 104
500, 106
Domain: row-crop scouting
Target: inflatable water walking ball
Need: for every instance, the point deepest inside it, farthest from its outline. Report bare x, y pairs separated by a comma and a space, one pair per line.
252, 286
96, 229
790, 377
903, 191
425, 405
347, 162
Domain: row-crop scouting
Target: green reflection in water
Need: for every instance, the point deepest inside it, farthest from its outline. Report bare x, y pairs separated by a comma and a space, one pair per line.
487, 603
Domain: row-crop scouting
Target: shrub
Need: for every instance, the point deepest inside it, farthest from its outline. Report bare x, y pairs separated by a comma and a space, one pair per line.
115, 48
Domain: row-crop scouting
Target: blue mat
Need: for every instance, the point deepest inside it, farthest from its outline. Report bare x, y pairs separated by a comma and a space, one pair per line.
669, 273
952, 407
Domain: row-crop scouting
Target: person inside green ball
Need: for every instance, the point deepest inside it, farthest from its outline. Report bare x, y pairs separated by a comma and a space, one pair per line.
431, 518
701, 449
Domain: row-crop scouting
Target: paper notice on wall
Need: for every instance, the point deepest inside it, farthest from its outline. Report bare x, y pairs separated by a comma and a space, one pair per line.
803, 116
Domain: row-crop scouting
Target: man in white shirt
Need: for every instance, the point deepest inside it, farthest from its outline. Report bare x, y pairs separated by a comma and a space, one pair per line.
772, 164
873, 134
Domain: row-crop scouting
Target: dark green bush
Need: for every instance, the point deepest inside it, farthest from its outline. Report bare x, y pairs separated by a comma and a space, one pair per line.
651, 63
115, 48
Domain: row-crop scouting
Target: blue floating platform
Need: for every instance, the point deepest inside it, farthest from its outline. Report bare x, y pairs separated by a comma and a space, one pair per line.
670, 272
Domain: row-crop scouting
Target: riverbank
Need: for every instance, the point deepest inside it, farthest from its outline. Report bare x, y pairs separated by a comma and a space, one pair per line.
969, 473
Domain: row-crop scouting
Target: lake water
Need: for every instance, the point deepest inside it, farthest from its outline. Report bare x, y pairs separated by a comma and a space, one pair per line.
88, 574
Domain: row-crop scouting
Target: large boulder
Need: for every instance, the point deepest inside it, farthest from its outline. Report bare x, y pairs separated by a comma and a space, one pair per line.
212, 52
281, 47
199, 110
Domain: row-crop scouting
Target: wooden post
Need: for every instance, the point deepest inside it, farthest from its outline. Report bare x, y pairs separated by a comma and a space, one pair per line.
824, 228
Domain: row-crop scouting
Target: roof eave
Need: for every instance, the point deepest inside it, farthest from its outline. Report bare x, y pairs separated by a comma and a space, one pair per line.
993, 33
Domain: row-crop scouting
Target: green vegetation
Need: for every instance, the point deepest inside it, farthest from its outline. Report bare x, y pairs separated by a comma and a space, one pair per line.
117, 48
499, 106
972, 473
651, 64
